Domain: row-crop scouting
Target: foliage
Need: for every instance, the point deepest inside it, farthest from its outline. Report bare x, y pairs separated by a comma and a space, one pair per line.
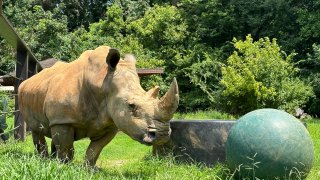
198, 73
258, 75
6, 58
162, 30
10, 102
311, 72
79, 12
42, 30
191, 39
216, 22
132, 10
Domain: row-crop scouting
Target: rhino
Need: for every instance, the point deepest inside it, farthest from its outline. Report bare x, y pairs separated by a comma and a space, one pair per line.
94, 97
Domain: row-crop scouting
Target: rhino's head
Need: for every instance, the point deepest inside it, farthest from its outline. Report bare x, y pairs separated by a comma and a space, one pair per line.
140, 114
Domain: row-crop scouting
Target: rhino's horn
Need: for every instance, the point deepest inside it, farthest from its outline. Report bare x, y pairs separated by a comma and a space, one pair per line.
168, 104
154, 92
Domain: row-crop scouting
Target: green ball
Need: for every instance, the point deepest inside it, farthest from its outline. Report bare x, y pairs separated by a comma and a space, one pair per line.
269, 144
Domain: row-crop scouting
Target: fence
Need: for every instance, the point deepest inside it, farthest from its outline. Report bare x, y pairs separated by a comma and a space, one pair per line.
3, 124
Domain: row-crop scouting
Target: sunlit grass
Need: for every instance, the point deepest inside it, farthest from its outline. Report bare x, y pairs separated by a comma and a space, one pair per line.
210, 114
123, 158
314, 130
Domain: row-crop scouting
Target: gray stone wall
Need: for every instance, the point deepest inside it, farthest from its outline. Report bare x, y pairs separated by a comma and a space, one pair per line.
197, 141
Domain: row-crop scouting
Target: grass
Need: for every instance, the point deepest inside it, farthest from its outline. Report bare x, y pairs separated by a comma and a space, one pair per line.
314, 130
123, 158
210, 114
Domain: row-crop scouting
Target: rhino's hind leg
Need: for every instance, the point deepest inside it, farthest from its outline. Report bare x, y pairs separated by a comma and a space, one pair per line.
40, 143
62, 138
96, 146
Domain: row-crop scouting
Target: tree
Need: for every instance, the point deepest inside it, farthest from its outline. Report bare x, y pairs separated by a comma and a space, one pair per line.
132, 10
161, 29
259, 75
41, 30
311, 72
79, 12
7, 56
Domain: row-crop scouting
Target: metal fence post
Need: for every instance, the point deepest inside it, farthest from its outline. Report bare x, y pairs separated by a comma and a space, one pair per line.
21, 74
3, 124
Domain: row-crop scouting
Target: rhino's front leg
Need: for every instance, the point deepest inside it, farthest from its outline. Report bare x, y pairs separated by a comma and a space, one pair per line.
96, 146
62, 138
40, 143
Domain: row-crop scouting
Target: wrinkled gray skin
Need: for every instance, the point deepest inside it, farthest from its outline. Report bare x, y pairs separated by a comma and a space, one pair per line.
94, 96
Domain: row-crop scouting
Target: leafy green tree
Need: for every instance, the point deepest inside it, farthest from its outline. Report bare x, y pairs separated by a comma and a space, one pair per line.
308, 13
164, 31
7, 56
79, 12
42, 32
161, 29
112, 25
216, 22
132, 10
259, 75
311, 72
198, 72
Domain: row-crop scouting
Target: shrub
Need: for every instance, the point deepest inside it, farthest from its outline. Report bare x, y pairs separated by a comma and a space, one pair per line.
10, 102
311, 70
259, 75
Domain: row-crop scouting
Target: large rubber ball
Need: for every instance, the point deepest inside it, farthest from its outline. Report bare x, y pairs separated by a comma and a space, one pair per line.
269, 144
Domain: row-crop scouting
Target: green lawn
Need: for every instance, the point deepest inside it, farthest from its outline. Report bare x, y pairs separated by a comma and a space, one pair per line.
123, 158
314, 130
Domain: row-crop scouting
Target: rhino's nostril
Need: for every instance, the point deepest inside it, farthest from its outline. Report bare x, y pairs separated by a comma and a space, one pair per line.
149, 138
152, 135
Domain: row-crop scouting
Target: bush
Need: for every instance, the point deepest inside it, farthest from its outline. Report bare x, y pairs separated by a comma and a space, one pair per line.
311, 70
10, 102
259, 75
198, 72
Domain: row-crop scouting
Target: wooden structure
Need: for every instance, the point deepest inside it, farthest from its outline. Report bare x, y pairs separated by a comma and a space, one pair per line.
26, 66
147, 72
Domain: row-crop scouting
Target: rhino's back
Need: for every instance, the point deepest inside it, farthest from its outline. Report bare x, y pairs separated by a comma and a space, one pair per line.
58, 95
32, 94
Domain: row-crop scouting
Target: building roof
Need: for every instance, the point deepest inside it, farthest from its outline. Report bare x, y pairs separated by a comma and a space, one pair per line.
48, 62
7, 80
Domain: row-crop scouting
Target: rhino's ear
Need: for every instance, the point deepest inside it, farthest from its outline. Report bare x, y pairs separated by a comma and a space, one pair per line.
113, 58
130, 58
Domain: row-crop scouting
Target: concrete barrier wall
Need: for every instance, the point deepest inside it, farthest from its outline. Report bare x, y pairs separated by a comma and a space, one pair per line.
197, 141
